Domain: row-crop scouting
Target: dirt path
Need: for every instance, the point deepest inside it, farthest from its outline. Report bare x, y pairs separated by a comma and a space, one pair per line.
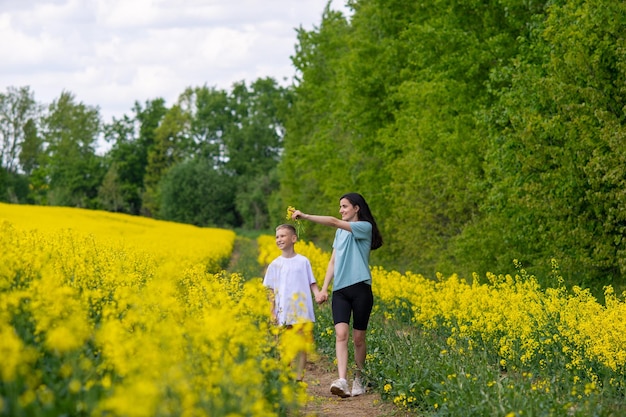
319, 375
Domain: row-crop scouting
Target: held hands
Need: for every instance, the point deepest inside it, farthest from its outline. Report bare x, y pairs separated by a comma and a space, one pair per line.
321, 297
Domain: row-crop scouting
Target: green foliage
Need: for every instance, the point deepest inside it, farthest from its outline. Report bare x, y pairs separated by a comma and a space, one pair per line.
72, 168
171, 146
387, 107
480, 132
132, 139
437, 144
31, 148
210, 119
315, 170
555, 158
238, 134
194, 192
17, 111
251, 200
13, 187
417, 370
253, 143
253, 139
20, 145
110, 194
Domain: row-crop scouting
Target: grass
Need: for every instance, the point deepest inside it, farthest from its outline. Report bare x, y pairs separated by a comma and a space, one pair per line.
244, 258
415, 369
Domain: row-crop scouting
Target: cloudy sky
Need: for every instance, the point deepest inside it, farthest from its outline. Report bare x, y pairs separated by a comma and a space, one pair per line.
111, 53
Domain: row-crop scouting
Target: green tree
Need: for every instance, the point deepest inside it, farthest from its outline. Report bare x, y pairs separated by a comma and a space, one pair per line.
19, 144
32, 147
30, 156
172, 144
314, 170
254, 136
17, 108
557, 155
195, 192
253, 141
211, 116
389, 104
132, 138
253, 200
72, 168
110, 194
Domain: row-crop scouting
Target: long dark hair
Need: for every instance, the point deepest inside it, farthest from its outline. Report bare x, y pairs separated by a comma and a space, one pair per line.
365, 214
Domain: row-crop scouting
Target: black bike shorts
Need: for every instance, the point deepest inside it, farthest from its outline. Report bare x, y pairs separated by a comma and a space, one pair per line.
356, 299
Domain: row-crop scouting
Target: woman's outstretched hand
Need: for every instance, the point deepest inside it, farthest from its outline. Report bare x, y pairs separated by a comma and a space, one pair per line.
296, 215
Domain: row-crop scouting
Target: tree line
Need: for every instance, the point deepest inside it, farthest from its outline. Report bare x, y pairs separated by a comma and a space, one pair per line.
209, 159
481, 132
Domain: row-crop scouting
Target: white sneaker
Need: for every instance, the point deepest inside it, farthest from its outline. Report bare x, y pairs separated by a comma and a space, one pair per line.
340, 387
357, 387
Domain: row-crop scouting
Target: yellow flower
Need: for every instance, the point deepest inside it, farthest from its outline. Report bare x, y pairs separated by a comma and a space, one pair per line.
74, 386
290, 211
298, 222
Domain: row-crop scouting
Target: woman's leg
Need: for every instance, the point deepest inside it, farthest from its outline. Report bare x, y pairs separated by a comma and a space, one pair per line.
362, 305
360, 349
340, 386
360, 352
341, 348
342, 310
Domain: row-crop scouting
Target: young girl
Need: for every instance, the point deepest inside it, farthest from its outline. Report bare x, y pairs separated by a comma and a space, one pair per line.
357, 234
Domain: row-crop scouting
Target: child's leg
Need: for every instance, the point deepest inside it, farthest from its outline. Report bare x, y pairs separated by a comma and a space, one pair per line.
300, 365
305, 330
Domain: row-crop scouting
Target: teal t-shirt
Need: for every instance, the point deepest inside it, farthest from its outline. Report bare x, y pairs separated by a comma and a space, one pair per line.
352, 255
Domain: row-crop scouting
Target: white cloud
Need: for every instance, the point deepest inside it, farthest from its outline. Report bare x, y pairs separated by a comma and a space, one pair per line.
111, 53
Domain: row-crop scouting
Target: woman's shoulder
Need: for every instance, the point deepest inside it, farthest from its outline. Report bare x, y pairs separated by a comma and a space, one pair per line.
362, 224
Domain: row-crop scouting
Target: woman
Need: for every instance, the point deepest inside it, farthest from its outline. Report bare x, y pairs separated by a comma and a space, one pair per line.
357, 234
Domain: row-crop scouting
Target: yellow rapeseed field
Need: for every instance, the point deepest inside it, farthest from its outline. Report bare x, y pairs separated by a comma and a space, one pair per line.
527, 326
109, 314
511, 317
167, 241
